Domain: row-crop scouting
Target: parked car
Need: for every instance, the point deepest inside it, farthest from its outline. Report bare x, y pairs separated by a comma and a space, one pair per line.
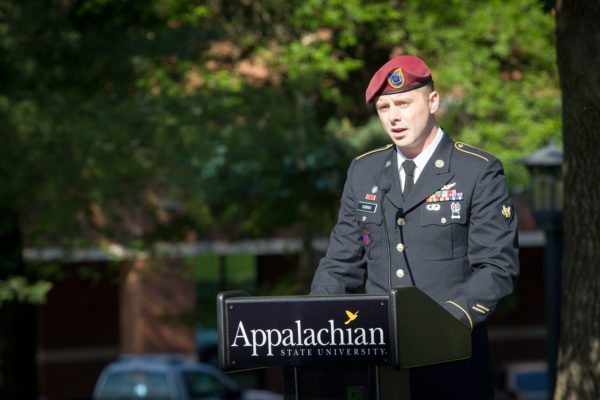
169, 377
207, 343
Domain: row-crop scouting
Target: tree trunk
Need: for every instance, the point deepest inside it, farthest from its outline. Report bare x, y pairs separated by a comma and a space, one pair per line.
18, 377
578, 45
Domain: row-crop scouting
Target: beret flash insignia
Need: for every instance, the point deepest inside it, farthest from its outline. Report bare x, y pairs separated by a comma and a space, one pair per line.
396, 78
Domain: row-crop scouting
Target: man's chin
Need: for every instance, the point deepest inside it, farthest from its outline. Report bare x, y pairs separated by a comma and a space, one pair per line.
402, 143
410, 150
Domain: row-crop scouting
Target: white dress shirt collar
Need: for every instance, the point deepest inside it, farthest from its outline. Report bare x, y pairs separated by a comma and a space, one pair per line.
420, 160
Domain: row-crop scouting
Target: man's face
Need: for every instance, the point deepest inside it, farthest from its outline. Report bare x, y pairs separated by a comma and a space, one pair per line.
408, 118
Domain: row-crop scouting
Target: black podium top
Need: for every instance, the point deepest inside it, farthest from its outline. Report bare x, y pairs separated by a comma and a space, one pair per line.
405, 329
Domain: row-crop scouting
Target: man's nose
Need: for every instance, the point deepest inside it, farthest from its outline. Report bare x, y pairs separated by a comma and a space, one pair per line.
395, 114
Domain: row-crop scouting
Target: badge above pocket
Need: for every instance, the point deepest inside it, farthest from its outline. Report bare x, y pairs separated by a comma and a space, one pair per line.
443, 213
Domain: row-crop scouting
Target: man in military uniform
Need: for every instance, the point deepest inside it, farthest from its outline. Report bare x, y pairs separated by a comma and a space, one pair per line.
426, 212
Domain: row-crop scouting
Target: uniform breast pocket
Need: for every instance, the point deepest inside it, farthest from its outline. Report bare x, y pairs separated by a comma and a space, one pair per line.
442, 225
372, 233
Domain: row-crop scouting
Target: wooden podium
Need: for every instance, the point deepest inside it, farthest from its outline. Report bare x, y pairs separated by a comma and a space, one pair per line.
339, 347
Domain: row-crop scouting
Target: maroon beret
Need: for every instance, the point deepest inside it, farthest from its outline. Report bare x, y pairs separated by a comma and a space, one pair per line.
400, 74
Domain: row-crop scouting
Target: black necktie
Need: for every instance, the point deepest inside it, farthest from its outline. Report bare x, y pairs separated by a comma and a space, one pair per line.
409, 171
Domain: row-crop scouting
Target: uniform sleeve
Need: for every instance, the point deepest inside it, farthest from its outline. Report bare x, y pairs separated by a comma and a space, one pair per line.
492, 249
342, 270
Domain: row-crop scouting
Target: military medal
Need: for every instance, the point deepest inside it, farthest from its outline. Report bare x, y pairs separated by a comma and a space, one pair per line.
445, 195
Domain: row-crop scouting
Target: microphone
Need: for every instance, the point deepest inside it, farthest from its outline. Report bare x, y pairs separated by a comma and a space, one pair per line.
385, 185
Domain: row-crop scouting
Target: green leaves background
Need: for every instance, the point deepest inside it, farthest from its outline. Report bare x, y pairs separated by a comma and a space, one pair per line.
170, 120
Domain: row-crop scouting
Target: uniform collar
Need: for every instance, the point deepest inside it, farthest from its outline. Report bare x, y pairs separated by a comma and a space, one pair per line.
422, 159
436, 173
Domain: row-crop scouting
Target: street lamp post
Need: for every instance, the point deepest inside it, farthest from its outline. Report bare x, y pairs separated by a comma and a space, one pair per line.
546, 190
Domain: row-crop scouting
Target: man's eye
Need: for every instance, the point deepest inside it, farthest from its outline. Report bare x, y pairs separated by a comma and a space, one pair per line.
383, 107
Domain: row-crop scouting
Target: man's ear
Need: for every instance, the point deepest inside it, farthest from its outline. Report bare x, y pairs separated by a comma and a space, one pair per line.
434, 101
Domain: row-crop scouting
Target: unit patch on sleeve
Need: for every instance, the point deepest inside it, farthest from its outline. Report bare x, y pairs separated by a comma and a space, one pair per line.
507, 211
366, 238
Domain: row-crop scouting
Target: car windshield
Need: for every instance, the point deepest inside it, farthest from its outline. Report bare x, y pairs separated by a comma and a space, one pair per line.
136, 385
201, 385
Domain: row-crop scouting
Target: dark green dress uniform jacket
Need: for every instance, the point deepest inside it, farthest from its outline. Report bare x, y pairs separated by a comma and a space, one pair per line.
454, 236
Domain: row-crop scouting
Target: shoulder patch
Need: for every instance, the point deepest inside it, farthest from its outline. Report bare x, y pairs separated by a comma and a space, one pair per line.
472, 150
387, 147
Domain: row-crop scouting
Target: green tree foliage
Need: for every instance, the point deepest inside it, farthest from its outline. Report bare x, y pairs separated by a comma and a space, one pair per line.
133, 122
215, 114
286, 82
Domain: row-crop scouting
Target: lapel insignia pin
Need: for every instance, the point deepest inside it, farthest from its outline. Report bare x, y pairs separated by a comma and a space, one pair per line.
388, 163
506, 211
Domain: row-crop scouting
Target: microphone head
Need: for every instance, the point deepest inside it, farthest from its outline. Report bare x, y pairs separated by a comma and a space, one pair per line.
384, 183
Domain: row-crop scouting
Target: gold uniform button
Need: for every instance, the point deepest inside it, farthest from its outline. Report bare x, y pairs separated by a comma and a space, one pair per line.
400, 247
400, 221
399, 272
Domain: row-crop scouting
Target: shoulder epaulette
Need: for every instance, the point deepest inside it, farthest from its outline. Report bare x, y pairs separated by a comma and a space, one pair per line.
460, 146
375, 151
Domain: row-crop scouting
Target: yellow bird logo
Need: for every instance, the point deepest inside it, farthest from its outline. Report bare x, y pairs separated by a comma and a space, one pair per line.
351, 317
